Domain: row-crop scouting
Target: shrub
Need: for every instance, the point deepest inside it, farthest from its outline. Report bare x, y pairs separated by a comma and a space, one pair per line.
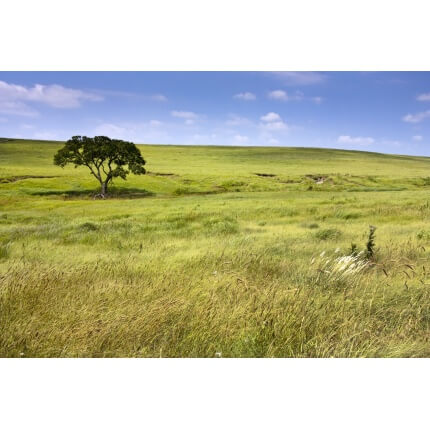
4, 251
370, 245
181, 191
348, 215
423, 235
4, 219
312, 225
225, 225
232, 184
88, 226
328, 234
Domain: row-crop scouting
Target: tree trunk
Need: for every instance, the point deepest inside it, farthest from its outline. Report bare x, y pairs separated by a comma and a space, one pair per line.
104, 189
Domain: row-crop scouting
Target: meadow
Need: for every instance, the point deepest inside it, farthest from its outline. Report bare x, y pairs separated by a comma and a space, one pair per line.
216, 252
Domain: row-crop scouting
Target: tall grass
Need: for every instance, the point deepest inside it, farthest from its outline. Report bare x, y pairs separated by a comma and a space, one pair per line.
193, 282
239, 305
259, 268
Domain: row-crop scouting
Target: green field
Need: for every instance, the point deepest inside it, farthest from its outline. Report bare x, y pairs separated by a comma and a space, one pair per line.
217, 251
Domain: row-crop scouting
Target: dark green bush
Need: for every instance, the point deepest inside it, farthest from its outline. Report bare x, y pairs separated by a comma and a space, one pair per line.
88, 226
328, 234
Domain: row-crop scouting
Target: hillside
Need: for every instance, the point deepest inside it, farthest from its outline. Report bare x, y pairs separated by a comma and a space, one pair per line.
211, 169
243, 252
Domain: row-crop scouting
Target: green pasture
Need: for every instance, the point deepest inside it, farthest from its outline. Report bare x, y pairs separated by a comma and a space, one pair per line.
217, 251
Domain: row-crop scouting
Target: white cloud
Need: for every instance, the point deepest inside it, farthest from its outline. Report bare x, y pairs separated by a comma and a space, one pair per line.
241, 139
55, 96
273, 122
417, 138
111, 130
245, 96
270, 117
130, 95
140, 130
189, 117
184, 114
16, 108
424, 97
282, 95
134, 131
356, 140
300, 78
159, 98
235, 120
274, 142
278, 95
275, 126
418, 117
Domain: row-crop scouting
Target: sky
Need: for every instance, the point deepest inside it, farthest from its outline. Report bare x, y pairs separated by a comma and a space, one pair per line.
369, 111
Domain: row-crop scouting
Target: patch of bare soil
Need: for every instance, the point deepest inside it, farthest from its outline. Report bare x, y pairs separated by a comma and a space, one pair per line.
319, 179
266, 175
161, 174
20, 178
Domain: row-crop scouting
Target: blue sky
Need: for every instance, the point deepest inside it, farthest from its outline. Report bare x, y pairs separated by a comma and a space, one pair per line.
370, 111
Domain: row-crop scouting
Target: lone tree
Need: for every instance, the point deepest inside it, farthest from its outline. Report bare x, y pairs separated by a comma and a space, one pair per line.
106, 158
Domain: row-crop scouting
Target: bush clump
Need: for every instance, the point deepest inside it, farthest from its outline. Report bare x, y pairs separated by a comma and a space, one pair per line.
328, 234
4, 251
311, 225
225, 225
423, 235
180, 191
88, 226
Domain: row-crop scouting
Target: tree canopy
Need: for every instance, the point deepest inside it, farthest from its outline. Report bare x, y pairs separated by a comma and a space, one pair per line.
105, 158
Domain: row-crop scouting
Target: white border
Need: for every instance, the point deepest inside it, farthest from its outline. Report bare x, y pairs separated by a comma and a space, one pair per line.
214, 393
214, 35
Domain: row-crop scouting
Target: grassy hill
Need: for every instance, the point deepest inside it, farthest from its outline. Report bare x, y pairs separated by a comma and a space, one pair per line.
232, 250
211, 169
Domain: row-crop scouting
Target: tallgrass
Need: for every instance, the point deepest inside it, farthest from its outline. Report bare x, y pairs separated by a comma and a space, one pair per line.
238, 265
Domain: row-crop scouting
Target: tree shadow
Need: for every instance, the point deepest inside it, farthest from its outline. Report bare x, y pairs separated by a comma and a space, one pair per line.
114, 193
